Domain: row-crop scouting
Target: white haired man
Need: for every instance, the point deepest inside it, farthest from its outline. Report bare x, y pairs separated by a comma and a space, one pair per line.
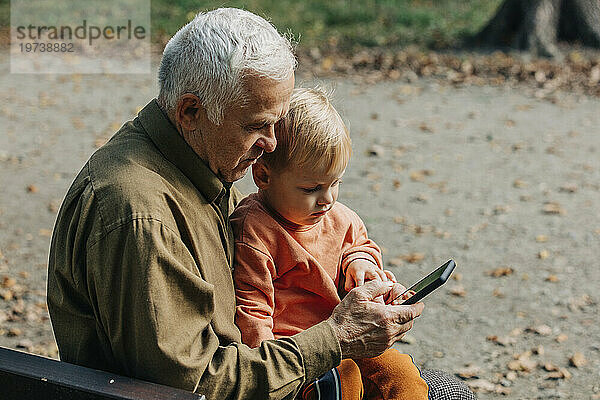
139, 276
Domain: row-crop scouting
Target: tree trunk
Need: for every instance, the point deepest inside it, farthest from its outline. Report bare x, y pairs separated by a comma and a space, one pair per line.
537, 25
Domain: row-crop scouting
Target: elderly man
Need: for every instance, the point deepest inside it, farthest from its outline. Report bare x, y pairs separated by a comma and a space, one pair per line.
139, 278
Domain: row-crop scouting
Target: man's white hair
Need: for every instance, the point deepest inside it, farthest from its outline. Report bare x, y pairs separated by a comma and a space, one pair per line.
211, 55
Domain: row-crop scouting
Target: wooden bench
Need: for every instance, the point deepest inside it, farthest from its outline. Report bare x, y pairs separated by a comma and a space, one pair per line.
26, 376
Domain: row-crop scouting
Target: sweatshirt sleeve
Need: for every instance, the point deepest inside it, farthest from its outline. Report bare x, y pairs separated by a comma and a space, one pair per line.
156, 312
358, 245
253, 277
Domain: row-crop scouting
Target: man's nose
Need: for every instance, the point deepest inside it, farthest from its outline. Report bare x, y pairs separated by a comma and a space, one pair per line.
267, 141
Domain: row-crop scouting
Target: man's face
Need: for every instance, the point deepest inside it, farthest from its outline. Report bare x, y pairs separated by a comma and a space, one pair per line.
300, 194
246, 130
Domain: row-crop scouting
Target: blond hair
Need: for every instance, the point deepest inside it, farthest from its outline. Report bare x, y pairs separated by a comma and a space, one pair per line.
312, 134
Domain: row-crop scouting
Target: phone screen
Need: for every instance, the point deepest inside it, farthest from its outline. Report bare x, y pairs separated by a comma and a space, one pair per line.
431, 282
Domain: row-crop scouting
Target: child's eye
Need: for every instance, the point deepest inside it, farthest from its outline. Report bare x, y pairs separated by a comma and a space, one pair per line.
336, 182
310, 190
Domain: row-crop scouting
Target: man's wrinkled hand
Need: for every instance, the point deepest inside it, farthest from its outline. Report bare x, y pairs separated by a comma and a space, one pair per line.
366, 328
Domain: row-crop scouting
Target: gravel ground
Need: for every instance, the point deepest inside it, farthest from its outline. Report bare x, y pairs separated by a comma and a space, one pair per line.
505, 184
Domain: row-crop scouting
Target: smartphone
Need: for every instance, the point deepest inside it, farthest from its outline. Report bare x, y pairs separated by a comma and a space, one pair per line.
428, 284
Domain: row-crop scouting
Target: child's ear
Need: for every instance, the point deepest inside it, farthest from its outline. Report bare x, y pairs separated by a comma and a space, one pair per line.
261, 175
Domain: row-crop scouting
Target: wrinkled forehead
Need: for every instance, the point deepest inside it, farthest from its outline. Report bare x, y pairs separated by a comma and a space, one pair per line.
268, 95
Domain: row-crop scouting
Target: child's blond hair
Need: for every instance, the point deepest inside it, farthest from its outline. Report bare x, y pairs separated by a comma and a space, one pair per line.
312, 134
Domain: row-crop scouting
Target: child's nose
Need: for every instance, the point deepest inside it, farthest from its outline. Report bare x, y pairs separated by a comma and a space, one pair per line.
326, 198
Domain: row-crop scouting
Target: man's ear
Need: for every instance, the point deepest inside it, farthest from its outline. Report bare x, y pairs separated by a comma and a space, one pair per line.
261, 174
188, 111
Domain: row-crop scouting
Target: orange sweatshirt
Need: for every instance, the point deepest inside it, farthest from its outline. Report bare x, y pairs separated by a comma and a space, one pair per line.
286, 276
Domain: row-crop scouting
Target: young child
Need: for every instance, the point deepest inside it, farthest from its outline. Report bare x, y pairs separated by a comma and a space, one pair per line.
297, 249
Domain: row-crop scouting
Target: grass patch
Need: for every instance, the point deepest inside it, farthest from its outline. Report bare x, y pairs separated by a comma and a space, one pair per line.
341, 24
347, 24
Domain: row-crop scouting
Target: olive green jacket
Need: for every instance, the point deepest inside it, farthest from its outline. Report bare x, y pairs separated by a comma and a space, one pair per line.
139, 275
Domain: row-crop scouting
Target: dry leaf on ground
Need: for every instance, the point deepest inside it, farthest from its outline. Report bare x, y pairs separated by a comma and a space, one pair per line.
561, 338
501, 271
553, 208
501, 340
413, 257
458, 291
578, 360
543, 330
468, 372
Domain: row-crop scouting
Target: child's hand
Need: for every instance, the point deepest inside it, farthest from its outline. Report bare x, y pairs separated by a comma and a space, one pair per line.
361, 271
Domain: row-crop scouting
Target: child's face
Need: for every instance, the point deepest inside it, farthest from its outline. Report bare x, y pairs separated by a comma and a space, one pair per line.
302, 196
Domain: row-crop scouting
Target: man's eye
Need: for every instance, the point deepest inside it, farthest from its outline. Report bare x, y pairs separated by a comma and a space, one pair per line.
253, 128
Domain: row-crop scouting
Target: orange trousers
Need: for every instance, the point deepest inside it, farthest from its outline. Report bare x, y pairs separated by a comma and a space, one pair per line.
389, 376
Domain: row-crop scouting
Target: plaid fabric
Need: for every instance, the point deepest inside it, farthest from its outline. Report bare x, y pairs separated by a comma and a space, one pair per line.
445, 387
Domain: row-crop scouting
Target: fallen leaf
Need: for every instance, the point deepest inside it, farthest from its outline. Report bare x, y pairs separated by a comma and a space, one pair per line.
417, 176
6, 294
511, 375
522, 364
523, 107
550, 367
420, 198
501, 209
569, 188
458, 291
562, 373
479, 385
53, 206
579, 303
539, 350
501, 271
543, 254
14, 332
468, 372
32, 189
376, 151
577, 360
8, 282
541, 238
561, 338
502, 340
45, 232
413, 257
426, 128
553, 208
399, 220
552, 278
25, 344
519, 184
543, 330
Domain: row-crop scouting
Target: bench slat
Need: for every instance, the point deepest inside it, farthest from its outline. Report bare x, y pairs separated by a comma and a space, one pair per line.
26, 376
